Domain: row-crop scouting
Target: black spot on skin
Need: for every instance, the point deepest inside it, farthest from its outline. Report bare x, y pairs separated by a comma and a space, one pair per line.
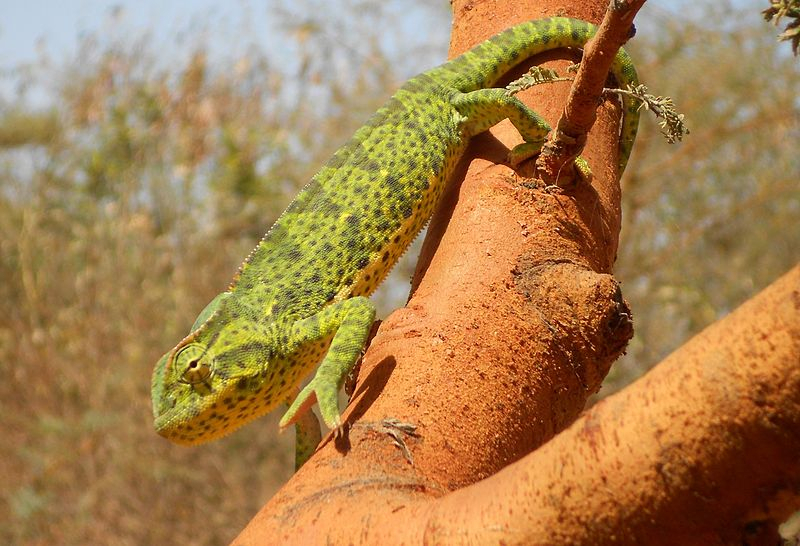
394, 182
371, 166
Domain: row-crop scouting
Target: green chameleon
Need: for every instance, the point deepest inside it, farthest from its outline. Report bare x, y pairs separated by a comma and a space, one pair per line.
300, 297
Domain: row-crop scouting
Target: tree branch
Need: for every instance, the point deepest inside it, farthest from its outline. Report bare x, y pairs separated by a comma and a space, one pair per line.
702, 450
569, 137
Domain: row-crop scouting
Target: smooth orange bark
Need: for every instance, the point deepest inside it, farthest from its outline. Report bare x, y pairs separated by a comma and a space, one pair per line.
702, 450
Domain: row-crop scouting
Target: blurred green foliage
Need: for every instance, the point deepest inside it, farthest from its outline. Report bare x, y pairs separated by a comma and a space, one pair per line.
128, 202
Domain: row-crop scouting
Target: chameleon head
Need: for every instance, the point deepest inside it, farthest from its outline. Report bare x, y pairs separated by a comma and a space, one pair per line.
201, 391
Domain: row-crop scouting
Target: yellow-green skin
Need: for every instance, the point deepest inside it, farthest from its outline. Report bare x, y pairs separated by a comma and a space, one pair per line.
300, 297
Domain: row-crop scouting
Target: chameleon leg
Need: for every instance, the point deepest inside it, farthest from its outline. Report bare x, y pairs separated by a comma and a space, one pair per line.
307, 437
486, 107
349, 321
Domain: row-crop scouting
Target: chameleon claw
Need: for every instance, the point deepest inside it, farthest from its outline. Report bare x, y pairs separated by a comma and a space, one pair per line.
339, 432
317, 391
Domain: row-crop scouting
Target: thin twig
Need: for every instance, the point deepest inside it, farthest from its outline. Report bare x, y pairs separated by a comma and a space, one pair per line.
568, 139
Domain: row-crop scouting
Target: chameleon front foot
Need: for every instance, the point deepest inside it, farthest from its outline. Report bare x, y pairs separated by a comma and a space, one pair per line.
350, 321
527, 150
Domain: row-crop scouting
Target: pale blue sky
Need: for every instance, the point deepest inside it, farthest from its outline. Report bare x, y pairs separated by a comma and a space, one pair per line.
59, 22
26, 26
53, 27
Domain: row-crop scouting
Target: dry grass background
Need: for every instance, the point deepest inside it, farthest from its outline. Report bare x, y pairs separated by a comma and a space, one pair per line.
130, 201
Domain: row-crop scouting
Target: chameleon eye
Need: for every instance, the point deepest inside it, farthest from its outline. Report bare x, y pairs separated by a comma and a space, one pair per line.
196, 369
196, 372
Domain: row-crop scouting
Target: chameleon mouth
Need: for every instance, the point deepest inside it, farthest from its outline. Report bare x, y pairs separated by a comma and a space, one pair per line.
217, 418
162, 403
186, 426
